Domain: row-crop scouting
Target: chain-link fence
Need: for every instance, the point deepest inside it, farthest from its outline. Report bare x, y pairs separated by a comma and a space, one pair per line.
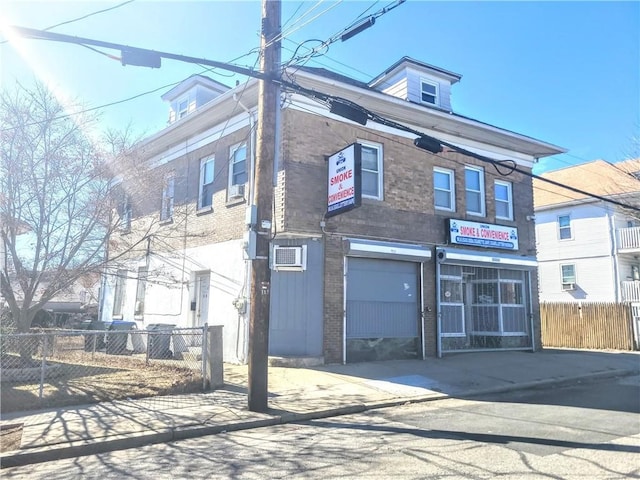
68, 367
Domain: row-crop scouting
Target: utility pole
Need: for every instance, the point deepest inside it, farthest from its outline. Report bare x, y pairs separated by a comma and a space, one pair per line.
268, 103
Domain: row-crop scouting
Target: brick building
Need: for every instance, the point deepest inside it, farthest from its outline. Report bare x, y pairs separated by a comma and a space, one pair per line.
438, 257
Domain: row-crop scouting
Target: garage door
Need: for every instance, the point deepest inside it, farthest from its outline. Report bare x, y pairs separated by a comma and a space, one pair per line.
382, 309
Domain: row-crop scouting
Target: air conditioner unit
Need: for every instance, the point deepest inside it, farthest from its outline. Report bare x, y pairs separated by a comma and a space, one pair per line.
236, 190
289, 258
568, 286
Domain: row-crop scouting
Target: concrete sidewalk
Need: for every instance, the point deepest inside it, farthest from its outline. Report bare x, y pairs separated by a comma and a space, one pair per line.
297, 394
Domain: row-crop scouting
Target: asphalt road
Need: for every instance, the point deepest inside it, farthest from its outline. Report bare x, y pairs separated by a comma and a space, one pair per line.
583, 431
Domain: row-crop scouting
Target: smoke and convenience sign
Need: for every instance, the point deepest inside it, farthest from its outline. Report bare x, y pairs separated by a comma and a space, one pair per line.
483, 234
344, 180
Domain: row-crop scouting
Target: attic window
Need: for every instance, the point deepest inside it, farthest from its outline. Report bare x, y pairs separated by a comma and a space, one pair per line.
428, 92
183, 107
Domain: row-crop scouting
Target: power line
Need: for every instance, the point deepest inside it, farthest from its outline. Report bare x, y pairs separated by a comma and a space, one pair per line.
89, 15
347, 108
82, 17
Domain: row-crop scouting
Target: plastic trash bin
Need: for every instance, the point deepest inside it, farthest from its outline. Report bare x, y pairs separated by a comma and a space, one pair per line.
117, 337
99, 337
160, 340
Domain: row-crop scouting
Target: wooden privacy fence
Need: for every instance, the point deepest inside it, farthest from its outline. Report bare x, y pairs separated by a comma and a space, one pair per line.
594, 325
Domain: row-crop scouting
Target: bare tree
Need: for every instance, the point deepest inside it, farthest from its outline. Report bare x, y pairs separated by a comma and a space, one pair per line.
56, 206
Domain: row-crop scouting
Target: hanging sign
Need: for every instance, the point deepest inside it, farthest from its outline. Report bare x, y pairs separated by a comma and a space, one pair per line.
344, 180
483, 234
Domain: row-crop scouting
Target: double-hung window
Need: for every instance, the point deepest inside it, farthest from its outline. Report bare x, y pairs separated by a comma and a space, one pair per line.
568, 276
118, 292
125, 211
183, 107
168, 194
503, 194
564, 227
444, 189
474, 190
141, 288
428, 92
205, 193
372, 170
238, 175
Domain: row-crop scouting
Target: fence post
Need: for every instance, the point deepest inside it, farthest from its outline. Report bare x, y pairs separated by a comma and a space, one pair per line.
43, 366
205, 356
213, 363
146, 361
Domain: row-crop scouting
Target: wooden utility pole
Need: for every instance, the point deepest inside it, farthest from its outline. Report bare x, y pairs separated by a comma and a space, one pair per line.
268, 102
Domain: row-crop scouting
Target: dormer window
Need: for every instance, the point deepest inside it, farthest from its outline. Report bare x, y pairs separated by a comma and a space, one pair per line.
428, 92
183, 107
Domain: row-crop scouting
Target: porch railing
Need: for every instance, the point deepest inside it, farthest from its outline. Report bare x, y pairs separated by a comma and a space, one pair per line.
629, 238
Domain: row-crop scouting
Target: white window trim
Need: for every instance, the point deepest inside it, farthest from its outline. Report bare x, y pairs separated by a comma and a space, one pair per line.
182, 113
451, 191
377, 146
203, 162
480, 171
569, 227
166, 214
232, 153
436, 100
575, 273
509, 198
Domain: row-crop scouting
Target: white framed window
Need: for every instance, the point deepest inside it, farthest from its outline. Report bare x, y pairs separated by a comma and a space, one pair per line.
372, 165
182, 107
118, 292
126, 212
205, 192
474, 190
141, 288
168, 194
568, 276
503, 195
564, 227
238, 175
429, 92
444, 189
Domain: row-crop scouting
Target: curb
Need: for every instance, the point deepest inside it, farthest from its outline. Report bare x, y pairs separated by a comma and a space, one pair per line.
126, 441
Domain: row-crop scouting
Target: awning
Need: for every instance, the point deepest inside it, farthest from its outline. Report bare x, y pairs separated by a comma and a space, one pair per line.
356, 247
496, 260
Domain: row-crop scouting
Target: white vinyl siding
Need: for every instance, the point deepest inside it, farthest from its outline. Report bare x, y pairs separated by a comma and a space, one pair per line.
444, 189
503, 196
474, 190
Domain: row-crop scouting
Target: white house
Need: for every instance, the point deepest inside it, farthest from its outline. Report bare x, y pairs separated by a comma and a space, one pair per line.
589, 249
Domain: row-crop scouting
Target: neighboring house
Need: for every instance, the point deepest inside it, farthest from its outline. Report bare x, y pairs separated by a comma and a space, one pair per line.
588, 249
439, 257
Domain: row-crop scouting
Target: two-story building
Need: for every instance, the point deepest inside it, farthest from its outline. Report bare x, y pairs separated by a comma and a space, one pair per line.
589, 249
438, 257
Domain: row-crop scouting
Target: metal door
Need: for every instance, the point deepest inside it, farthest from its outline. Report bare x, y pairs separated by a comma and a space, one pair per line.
202, 298
383, 309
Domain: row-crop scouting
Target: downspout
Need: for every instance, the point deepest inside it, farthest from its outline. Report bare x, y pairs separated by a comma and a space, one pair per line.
438, 310
241, 353
345, 266
422, 307
614, 255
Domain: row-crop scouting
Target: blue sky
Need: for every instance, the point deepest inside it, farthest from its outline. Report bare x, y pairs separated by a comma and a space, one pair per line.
564, 72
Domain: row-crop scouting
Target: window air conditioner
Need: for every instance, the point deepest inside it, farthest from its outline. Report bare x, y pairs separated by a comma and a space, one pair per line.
289, 258
568, 286
236, 190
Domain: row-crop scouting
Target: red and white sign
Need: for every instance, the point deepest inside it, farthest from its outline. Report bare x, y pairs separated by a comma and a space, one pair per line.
344, 183
483, 234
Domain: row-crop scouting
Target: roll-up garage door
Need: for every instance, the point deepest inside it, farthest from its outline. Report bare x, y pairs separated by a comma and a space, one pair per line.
382, 309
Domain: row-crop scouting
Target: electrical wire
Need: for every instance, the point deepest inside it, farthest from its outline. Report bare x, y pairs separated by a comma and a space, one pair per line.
81, 18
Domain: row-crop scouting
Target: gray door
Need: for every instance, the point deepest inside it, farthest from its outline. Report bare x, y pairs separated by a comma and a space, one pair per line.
202, 298
383, 310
